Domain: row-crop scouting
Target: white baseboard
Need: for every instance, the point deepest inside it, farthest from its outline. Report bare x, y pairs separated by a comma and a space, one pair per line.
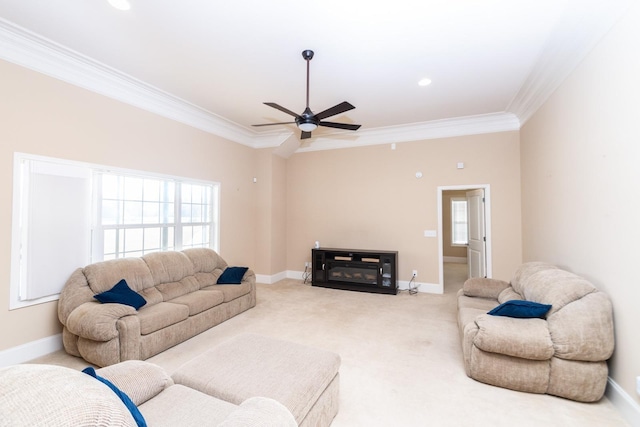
455, 259
29, 351
624, 403
428, 288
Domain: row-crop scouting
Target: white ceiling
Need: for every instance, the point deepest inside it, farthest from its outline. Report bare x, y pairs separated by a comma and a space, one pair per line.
495, 59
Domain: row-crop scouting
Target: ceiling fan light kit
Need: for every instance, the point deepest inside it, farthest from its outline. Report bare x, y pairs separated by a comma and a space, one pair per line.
308, 121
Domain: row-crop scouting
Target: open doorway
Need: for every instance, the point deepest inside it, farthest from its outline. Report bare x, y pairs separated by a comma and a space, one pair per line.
464, 240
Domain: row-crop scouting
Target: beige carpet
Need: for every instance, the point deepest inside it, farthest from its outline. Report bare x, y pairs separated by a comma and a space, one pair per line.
401, 358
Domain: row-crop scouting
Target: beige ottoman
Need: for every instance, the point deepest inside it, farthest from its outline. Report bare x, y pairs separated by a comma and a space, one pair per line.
304, 379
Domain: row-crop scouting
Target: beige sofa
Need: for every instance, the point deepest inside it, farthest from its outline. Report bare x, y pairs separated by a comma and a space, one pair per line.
182, 300
563, 354
48, 395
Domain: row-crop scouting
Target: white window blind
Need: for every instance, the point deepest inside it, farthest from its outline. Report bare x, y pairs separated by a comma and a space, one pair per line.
54, 217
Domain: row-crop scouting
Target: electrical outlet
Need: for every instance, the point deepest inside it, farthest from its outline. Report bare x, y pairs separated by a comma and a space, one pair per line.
307, 264
415, 273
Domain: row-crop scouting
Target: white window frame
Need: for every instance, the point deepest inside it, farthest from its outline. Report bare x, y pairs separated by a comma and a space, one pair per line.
454, 222
20, 233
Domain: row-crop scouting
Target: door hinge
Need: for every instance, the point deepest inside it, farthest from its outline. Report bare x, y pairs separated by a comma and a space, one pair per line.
484, 239
483, 200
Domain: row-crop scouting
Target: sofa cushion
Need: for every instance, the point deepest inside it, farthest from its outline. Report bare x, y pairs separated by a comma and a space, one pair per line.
48, 395
483, 287
556, 287
184, 286
168, 266
200, 301
131, 407
583, 329
194, 407
525, 271
205, 260
160, 316
102, 275
524, 338
140, 380
121, 293
232, 275
520, 308
508, 295
231, 292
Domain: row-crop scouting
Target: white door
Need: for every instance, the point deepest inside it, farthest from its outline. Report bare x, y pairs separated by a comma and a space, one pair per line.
477, 248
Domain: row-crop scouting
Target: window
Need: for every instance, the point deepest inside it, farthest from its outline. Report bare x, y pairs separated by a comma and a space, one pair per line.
137, 215
95, 213
459, 233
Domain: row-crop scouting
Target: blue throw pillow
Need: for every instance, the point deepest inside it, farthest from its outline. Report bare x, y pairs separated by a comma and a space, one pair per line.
135, 412
232, 275
519, 308
121, 293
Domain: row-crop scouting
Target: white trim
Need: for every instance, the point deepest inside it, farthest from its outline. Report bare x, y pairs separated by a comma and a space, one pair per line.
487, 220
624, 403
25, 48
31, 350
423, 287
459, 126
271, 279
575, 36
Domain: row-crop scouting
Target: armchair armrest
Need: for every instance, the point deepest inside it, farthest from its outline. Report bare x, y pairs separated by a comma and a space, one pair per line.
524, 338
483, 287
97, 321
260, 411
140, 380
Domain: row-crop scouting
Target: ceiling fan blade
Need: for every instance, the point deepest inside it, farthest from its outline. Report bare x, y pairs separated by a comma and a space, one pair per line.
305, 135
278, 107
336, 109
271, 124
347, 126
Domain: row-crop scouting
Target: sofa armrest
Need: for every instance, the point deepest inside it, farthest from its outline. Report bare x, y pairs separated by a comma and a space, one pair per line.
260, 411
140, 380
97, 321
483, 287
524, 338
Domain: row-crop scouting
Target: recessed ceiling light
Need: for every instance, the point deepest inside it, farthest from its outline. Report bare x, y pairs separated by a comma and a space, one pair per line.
424, 82
120, 4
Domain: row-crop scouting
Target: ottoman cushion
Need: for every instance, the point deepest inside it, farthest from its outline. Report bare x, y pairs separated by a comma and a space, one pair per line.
254, 365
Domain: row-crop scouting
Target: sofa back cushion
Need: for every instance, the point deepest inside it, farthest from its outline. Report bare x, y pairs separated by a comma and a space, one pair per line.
172, 273
102, 276
525, 271
556, 287
207, 265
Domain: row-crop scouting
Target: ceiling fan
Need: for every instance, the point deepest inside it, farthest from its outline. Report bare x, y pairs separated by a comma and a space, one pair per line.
308, 121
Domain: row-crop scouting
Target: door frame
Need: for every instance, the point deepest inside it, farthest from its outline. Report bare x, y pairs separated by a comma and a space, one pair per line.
487, 221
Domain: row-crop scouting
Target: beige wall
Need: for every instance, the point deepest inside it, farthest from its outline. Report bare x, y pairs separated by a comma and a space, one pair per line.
449, 250
580, 180
370, 198
43, 116
271, 213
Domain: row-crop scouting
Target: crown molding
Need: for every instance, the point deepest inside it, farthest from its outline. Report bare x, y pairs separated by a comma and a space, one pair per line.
575, 35
32, 51
27, 49
445, 128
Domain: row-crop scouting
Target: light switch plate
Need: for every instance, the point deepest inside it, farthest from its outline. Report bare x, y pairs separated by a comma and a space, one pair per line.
430, 233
